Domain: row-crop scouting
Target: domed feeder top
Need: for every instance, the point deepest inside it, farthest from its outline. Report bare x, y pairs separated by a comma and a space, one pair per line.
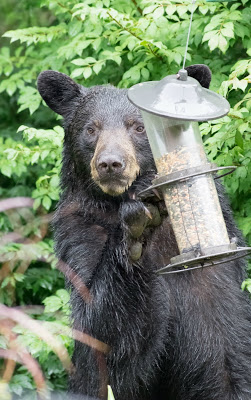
180, 97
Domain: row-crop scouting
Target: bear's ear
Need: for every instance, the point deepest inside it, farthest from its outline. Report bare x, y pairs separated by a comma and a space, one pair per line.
201, 73
59, 91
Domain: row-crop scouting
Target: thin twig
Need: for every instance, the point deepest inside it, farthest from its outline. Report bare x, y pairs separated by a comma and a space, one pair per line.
138, 7
76, 281
133, 34
69, 11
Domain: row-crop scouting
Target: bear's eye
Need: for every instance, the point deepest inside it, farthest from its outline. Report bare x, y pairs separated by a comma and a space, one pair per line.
90, 131
140, 129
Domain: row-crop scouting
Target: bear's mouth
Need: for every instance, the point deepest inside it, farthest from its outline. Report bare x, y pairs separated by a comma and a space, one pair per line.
114, 186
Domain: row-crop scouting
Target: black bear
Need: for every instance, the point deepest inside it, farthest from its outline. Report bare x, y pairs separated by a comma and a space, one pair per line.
175, 337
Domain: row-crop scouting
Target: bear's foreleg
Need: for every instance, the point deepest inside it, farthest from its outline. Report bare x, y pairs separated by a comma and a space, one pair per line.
125, 309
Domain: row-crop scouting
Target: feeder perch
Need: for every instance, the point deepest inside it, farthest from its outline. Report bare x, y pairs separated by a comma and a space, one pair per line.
171, 109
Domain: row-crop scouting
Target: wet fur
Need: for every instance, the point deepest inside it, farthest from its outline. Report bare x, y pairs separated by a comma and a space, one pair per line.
181, 337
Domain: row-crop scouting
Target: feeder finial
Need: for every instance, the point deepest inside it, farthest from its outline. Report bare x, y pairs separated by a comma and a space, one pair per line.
182, 74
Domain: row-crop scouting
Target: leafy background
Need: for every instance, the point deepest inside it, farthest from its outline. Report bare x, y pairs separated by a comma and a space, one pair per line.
96, 42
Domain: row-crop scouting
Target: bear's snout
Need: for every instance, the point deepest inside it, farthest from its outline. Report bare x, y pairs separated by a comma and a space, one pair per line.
110, 164
114, 165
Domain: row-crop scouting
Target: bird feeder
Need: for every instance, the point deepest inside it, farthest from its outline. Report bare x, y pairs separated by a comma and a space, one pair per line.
171, 110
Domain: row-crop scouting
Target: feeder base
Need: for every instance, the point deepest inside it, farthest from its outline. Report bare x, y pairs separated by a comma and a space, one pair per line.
209, 257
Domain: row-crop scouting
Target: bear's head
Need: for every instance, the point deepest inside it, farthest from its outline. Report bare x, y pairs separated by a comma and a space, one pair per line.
104, 133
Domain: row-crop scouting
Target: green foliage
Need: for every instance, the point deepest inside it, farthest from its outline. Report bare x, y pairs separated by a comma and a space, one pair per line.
21, 382
121, 42
227, 142
246, 285
58, 302
57, 325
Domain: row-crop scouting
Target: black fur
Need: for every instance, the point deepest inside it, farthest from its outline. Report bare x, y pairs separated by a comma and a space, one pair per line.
200, 72
176, 337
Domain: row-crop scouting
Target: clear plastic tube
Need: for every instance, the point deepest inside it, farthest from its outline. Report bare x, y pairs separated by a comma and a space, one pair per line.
193, 204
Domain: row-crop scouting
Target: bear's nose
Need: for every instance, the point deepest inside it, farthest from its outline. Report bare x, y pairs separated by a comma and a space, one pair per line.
109, 164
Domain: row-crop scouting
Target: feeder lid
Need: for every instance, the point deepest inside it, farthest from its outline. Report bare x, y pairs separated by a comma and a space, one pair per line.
180, 97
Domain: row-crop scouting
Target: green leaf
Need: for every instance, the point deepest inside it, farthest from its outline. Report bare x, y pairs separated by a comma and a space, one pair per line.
158, 12
22, 128
170, 9
224, 88
87, 72
11, 88
54, 182
135, 75
239, 139
74, 27
239, 84
246, 227
46, 202
149, 9
246, 285
97, 67
52, 304
110, 394
243, 84
63, 295
96, 44
6, 170
209, 35
84, 61
117, 59
228, 30
181, 10
11, 154
243, 127
203, 9
213, 42
78, 61
18, 277
222, 43
37, 203
77, 72
5, 282
44, 154
198, 38
177, 58
35, 157
145, 73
